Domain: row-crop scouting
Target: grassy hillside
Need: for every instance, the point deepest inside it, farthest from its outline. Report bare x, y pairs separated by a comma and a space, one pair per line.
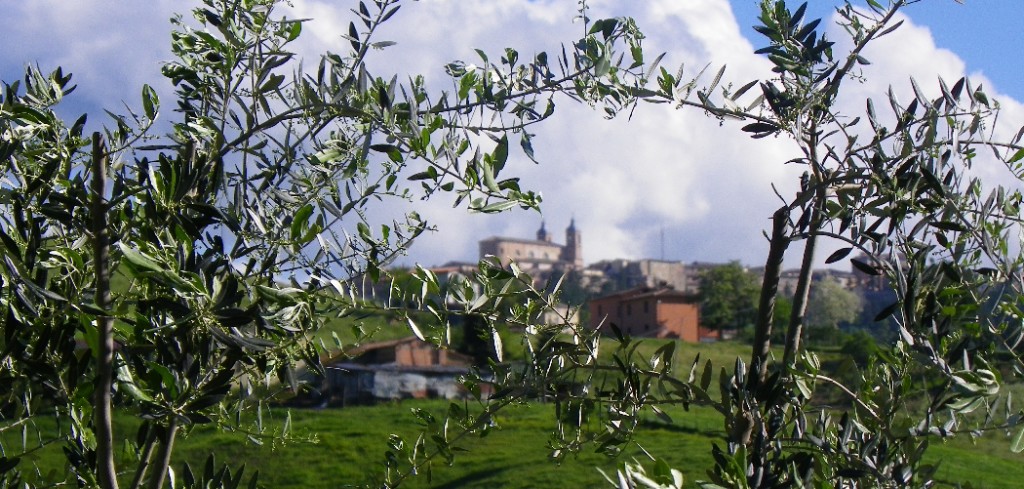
347, 445
351, 443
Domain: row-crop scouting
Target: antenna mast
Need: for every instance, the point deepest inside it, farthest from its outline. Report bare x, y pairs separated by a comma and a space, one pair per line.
663, 243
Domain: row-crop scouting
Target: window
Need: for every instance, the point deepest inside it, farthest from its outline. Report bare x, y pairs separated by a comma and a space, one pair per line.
600, 310
645, 307
629, 309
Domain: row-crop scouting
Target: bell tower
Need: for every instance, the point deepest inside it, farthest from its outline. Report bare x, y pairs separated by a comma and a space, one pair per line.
542, 234
573, 251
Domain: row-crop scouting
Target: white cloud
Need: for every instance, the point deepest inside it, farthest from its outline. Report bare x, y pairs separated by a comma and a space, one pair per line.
626, 180
110, 51
708, 187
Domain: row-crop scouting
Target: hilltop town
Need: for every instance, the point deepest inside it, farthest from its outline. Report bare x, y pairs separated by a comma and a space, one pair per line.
643, 297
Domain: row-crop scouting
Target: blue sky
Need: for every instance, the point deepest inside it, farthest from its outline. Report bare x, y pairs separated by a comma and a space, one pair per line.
705, 187
986, 34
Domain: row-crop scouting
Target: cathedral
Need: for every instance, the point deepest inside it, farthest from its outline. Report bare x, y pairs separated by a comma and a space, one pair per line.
540, 254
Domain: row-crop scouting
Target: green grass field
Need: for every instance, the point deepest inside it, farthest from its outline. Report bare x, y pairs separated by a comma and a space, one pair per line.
352, 441
347, 445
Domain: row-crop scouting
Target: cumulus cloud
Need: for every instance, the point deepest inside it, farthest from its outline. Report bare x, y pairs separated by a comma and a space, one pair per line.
629, 181
111, 51
706, 189
664, 179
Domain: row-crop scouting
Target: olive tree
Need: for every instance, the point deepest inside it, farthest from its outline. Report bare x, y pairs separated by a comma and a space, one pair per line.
176, 274
898, 183
148, 274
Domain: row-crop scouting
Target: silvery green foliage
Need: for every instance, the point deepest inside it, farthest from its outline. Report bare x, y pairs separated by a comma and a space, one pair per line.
633, 475
236, 233
897, 187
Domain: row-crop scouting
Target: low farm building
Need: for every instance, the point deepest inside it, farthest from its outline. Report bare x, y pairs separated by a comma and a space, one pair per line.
407, 368
657, 312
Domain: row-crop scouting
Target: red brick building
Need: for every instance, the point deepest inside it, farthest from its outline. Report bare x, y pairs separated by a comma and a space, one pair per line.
661, 312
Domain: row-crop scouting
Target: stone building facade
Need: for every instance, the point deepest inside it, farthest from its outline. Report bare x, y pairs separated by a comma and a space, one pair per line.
628, 274
540, 254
